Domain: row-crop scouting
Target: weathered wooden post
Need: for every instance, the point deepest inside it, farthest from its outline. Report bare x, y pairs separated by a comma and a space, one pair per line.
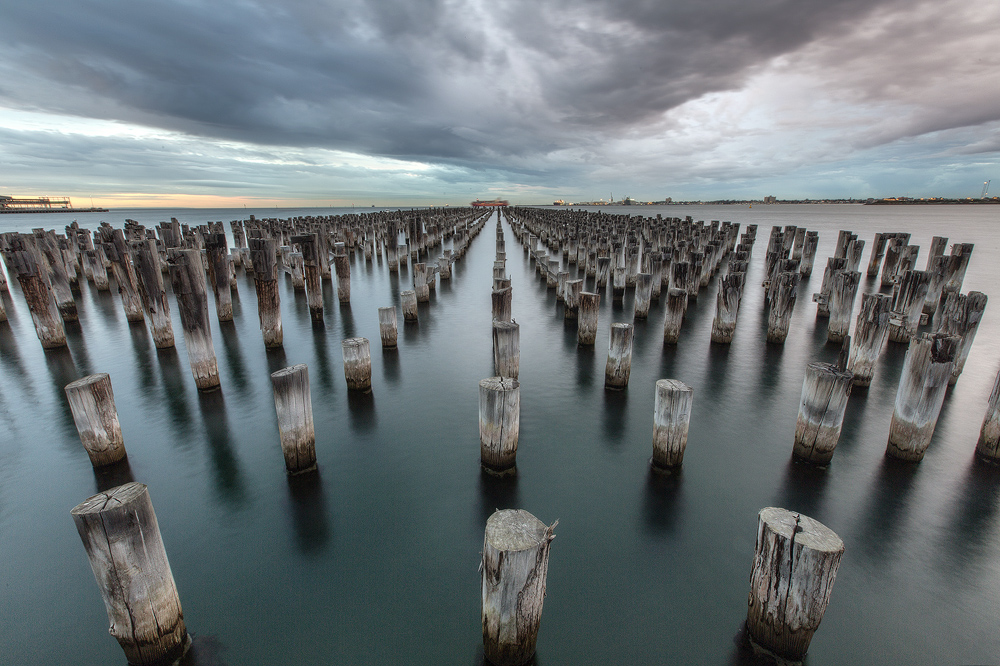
499, 423
573, 290
618, 284
408, 300
938, 268
560, 286
603, 268
501, 299
552, 274
357, 364
294, 265
218, 275
44, 314
514, 568
671, 418
962, 253
908, 296
387, 327
961, 316
679, 271
312, 274
93, 405
420, 287
154, 296
342, 265
779, 315
293, 404
727, 306
878, 251
870, 332
677, 299
506, 348
794, 566
922, 386
54, 266
988, 446
590, 306
122, 539
843, 291
809, 253
834, 265
697, 268
825, 391
97, 260
643, 294
619, 365
188, 281
265, 268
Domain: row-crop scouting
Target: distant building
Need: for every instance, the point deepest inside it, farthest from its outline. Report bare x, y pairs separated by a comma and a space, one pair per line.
770, 199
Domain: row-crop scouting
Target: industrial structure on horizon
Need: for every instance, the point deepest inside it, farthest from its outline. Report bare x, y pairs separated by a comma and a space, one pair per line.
10, 204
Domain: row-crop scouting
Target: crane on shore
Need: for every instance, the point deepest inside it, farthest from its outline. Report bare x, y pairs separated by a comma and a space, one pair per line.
986, 187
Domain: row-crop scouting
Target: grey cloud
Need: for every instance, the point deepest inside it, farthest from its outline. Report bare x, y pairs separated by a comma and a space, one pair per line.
398, 77
555, 94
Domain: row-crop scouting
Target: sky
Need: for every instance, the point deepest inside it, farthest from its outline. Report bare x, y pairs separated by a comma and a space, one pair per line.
426, 102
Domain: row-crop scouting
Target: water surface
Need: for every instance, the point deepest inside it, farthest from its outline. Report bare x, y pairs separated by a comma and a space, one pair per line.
374, 560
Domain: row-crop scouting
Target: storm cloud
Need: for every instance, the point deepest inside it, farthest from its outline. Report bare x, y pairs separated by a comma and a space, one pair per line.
522, 94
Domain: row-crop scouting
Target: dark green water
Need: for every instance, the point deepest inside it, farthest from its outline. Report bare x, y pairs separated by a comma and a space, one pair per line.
374, 561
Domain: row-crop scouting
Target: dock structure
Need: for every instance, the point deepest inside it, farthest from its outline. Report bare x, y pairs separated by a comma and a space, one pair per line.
9, 204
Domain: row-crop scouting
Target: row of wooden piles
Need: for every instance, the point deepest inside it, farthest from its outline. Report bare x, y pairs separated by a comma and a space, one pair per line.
658, 258
791, 548
666, 251
118, 526
934, 358
134, 260
794, 552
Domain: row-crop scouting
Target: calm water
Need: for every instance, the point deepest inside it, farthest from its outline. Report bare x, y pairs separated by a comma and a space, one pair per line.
375, 560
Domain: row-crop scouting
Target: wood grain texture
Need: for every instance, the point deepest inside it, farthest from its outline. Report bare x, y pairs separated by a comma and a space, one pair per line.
908, 295
779, 314
122, 539
263, 258
825, 391
590, 307
794, 567
387, 327
187, 278
677, 301
843, 292
727, 306
671, 420
514, 569
501, 303
92, 402
154, 296
988, 446
506, 349
499, 422
408, 301
357, 364
293, 404
619, 365
871, 330
44, 314
923, 383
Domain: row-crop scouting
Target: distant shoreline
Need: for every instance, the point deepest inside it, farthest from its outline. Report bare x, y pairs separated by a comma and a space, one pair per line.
55, 210
929, 202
